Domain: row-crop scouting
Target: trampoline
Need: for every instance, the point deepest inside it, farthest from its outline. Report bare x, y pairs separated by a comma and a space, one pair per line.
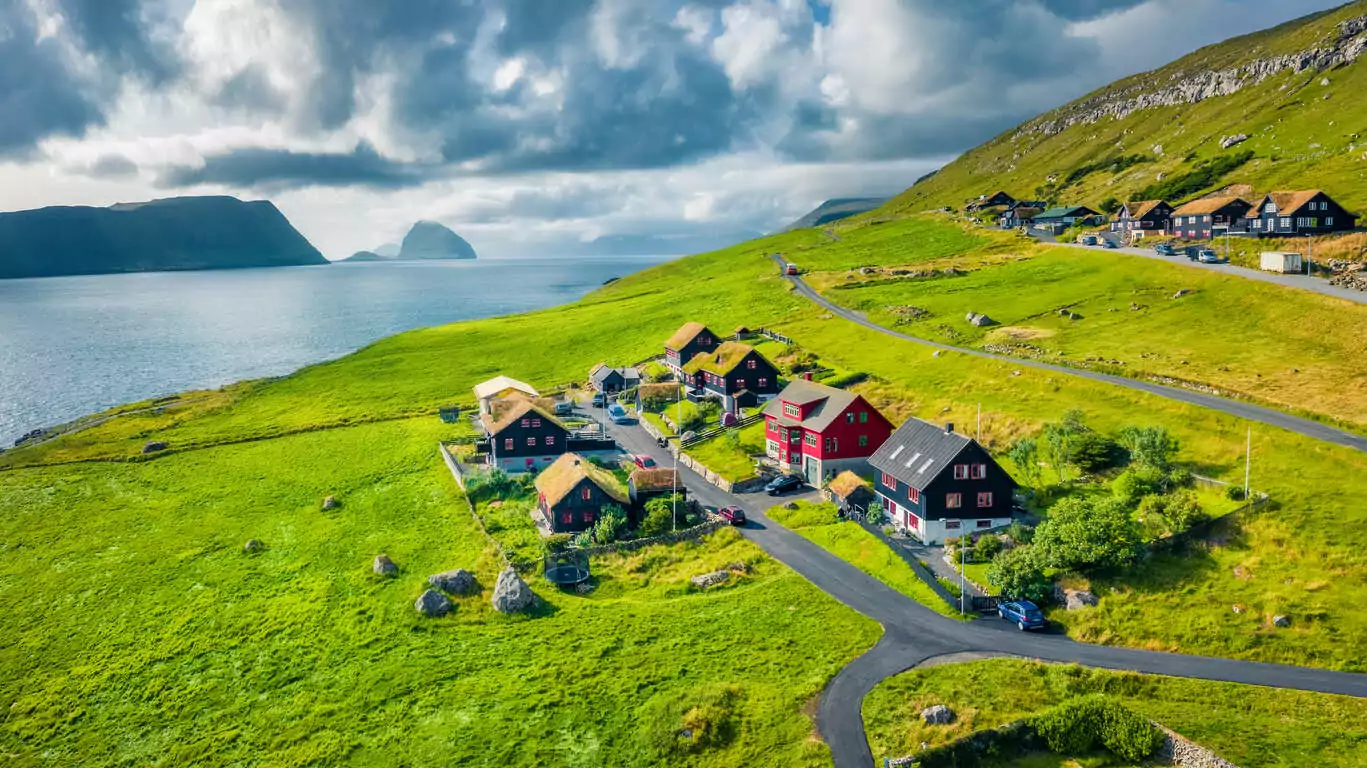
568, 569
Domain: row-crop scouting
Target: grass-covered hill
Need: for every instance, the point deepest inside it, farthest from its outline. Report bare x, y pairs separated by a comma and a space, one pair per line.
1293, 90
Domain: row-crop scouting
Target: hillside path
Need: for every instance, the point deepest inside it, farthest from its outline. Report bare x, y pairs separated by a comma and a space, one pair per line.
1303, 282
912, 633
1239, 408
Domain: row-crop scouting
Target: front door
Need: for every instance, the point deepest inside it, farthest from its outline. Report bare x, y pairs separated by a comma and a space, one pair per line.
813, 471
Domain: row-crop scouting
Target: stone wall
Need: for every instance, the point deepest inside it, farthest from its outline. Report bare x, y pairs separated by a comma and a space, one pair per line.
696, 532
748, 485
1178, 750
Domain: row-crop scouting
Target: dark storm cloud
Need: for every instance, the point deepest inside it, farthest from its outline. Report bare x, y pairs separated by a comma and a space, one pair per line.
251, 90
283, 169
38, 96
112, 167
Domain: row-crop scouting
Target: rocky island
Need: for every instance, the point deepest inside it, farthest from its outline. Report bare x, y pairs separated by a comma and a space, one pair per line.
183, 233
430, 240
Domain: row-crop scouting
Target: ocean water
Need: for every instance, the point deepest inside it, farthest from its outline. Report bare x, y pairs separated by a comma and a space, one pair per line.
70, 346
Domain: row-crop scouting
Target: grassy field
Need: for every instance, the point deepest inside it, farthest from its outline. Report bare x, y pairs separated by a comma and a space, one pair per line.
1250, 726
729, 454
138, 631
849, 542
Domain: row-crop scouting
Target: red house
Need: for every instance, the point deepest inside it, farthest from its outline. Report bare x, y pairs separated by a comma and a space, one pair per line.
821, 431
687, 342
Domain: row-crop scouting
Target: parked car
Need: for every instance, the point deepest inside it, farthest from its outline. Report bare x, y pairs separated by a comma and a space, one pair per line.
618, 414
791, 269
1107, 243
1087, 239
1023, 613
564, 407
783, 484
643, 461
1163, 249
732, 515
1207, 256
600, 399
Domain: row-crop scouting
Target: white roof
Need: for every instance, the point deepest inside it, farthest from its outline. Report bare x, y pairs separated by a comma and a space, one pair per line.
499, 383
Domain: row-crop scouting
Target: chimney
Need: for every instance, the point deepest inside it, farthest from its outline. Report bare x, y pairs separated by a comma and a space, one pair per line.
949, 427
807, 376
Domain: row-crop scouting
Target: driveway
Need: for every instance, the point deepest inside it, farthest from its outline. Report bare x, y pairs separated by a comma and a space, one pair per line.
1243, 410
913, 633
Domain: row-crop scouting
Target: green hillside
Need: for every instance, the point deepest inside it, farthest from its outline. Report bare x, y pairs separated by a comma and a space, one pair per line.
1157, 135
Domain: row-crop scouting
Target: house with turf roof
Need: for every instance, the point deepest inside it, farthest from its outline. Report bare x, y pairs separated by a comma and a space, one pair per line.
1307, 212
1207, 217
819, 431
735, 373
522, 434
1140, 218
687, 342
935, 483
572, 492
998, 198
1062, 217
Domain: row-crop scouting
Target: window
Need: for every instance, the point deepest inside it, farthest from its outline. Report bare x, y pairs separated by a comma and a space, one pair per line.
526, 423
863, 417
979, 471
531, 442
550, 439
1257, 223
796, 436
792, 411
566, 518
984, 523
763, 382
954, 500
849, 417
913, 521
588, 516
586, 493
984, 499
811, 439
832, 444
536, 423
863, 441
913, 495
960, 471
1328, 221
507, 443
951, 525
1312, 222
1300, 221
889, 481
750, 364
1285, 221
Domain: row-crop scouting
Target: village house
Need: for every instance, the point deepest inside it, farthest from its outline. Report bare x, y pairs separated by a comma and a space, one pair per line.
935, 483
572, 492
1018, 216
1062, 217
501, 387
735, 373
646, 484
613, 380
1308, 212
1207, 217
1140, 218
686, 343
523, 435
820, 431
989, 201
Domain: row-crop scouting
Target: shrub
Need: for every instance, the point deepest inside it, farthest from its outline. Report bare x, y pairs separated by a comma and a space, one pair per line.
583, 540
1183, 511
689, 722
987, 547
1149, 446
1093, 452
1235, 493
1017, 574
1133, 484
557, 542
611, 525
658, 518
495, 484
1082, 534
1204, 175
1020, 533
1081, 725
875, 514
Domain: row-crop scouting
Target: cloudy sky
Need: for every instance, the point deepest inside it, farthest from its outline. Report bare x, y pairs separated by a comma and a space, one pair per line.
531, 124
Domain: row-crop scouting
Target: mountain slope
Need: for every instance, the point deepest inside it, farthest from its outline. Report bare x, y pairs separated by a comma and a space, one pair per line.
430, 240
182, 233
836, 209
1292, 90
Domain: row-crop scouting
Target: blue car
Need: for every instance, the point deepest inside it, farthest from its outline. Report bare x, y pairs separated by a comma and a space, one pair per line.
1023, 613
1163, 249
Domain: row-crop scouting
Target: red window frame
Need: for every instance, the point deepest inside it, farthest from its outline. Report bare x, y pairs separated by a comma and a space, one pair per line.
984, 499
526, 423
913, 495
960, 471
954, 500
550, 439
951, 525
889, 481
750, 364
586, 493
536, 423
566, 518
588, 516
763, 382
984, 523
507, 443
979, 471
913, 521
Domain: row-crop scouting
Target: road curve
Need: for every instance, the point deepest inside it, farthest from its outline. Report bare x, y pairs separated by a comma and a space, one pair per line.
912, 633
1239, 408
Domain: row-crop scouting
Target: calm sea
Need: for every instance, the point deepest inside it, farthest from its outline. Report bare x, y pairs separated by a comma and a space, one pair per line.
74, 345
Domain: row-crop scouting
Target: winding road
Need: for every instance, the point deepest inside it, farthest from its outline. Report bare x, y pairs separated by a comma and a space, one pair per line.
914, 634
1239, 408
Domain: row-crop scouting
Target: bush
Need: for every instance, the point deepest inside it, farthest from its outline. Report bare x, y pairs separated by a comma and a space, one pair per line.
1082, 534
495, 484
1149, 446
1183, 512
986, 547
688, 722
1204, 175
557, 542
875, 515
658, 518
1133, 484
1093, 452
1081, 725
611, 525
1235, 493
1017, 574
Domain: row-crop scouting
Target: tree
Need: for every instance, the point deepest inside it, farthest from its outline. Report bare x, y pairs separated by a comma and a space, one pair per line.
1058, 449
986, 547
657, 518
1024, 454
496, 484
1081, 534
1017, 574
1110, 205
611, 524
1093, 452
1149, 446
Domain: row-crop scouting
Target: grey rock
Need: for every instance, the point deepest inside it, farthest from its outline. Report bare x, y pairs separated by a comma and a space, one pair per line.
712, 579
155, 445
690, 435
790, 505
1281, 620
1237, 608
1074, 599
1181, 293
1229, 141
511, 593
384, 566
433, 603
979, 320
456, 582
253, 545
331, 502
937, 715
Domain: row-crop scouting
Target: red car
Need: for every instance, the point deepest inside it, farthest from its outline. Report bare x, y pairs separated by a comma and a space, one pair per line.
791, 269
643, 461
732, 515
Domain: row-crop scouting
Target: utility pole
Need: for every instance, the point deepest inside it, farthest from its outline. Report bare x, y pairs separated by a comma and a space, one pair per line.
1248, 462
979, 436
678, 426
1309, 248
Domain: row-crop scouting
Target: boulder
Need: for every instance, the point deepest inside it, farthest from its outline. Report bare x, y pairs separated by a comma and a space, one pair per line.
1073, 599
1237, 608
253, 545
937, 715
1281, 620
454, 582
738, 567
331, 502
384, 566
155, 445
433, 603
710, 579
511, 593
1229, 141
1181, 293
978, 320
690, 435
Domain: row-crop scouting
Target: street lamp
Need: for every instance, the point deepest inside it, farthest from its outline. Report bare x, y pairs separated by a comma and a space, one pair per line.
963, 564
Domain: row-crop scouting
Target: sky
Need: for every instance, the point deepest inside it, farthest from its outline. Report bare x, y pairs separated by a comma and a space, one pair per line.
534, 127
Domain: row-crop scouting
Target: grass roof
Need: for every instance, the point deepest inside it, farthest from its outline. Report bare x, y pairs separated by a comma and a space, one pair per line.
566, 472
687, 333
721, 361
845, 483
510, 409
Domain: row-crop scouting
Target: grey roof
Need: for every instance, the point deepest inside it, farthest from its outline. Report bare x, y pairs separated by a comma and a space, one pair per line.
918, 452
601, 373
834, 402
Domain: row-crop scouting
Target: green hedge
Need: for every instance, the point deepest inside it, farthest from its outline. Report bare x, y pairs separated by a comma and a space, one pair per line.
1079, 726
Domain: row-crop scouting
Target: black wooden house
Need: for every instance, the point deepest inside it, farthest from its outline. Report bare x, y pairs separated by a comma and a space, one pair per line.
1308, 212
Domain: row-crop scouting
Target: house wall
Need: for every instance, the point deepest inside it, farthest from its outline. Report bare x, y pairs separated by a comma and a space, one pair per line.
705, 341
574, 513
931, 506
1300, 220
515, 458
744, 377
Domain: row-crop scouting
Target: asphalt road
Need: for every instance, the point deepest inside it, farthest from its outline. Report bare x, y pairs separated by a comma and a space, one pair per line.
1243, 410
914, 633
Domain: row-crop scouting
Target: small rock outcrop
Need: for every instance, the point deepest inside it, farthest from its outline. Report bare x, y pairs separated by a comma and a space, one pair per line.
712, 579
252, 546
937, 715
383, 566
1229, 141
1074, 599
511, 593
1181, 293
978, 320
331, 502
454, 582
1281, 620
433, 603
155, 446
